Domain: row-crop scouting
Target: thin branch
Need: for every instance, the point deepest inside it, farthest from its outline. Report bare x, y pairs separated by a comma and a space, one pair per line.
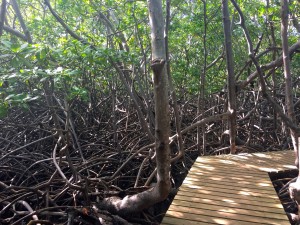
60, 20
276, 63
70, 185
21, 20
2, 16
14, 32
221, 56
296, 23
25, 146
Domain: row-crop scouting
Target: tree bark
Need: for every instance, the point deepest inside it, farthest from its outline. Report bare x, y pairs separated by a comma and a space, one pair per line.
14, 32
230, 78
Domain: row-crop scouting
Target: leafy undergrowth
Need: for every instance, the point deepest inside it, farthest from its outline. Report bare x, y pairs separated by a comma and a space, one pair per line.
281, 181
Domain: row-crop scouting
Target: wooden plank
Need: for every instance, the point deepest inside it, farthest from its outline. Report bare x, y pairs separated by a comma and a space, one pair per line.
240, 203
261, 175
221, 217
178, 221
257, 165
183, 221
230, 171
254, 167
237, 209
197, 173
270, 160
240, 185
187, 192
258, 182
200, 189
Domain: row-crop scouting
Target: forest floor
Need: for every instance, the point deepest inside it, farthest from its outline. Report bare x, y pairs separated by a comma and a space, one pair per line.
47, 180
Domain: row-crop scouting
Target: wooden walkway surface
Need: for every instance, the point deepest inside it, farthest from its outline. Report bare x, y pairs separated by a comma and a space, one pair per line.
231, 189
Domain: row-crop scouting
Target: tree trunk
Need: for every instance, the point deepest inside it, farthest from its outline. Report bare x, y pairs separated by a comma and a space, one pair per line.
201, 101
230, 78
274, 81
287, 72
2, 16
172, 89
160, 78
294, 188
140, 201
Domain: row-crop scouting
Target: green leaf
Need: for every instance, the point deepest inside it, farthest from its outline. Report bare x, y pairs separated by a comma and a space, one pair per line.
3, 110
15, 47
6, 44
23, 46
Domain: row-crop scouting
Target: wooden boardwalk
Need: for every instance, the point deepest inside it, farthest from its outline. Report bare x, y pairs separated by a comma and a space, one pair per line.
231, 189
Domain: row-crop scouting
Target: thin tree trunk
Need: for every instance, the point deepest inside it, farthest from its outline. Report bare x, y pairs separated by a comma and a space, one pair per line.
2, 16
273, 44
294, 188
287, 72
173, 93
230, 78
201, 100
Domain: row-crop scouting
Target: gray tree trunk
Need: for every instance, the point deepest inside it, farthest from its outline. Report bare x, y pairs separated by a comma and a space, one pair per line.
230, 78
294, 188
160, 78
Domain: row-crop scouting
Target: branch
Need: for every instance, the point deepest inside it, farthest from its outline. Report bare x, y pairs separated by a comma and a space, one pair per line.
21, 20
112, 28
242, 24
14, 32
276, 63
2, 16
25, 146
296, 23
61, 173
221, 56
213, 118
60, 20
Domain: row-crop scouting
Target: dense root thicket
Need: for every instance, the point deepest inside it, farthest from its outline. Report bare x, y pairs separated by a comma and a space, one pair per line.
281, 181
52, 176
